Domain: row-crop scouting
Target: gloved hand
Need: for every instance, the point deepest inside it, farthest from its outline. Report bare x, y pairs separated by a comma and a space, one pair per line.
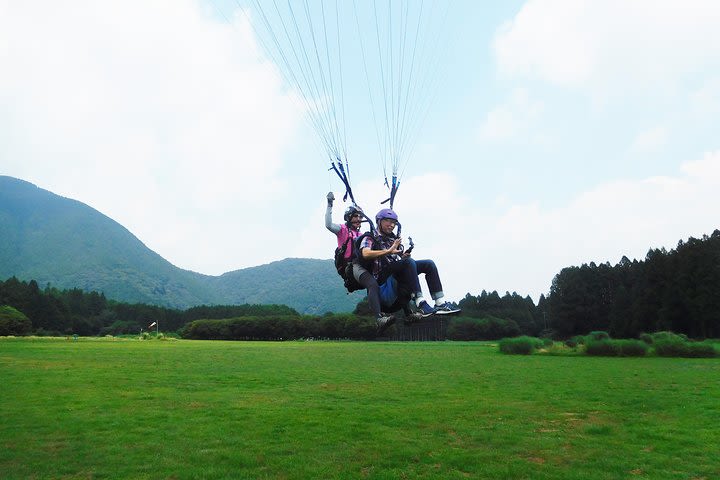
330, 198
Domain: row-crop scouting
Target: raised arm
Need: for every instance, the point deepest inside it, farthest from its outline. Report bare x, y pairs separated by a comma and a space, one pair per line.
333, 227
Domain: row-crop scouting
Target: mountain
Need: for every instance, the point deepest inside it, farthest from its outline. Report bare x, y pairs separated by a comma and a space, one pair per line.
67, 244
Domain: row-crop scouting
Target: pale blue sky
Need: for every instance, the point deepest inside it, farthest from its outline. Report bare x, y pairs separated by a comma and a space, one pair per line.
565, 131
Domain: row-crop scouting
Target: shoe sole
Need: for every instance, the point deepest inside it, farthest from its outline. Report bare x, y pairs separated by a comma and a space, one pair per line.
447, 313
388, 324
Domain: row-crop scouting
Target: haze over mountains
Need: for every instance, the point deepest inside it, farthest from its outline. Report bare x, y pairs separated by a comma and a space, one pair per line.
67, 244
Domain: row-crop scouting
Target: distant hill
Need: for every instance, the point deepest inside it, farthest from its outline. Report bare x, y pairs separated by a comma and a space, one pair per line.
59, 241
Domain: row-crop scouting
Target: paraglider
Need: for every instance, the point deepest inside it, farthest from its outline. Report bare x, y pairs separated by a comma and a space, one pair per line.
386, 52
323, 50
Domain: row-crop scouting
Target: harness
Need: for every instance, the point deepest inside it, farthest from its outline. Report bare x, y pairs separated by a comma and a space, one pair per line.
340, 260
344, 266
377, 244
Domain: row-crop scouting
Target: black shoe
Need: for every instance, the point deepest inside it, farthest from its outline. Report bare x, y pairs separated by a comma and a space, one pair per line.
383, 322
413, 318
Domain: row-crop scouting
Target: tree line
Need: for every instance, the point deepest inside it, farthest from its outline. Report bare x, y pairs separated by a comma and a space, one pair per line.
676, 290
73, 311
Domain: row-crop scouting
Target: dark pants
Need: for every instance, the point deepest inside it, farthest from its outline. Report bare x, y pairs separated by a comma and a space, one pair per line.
373, 291
406, 273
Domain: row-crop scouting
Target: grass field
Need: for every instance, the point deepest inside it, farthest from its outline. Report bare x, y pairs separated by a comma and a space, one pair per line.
98, 408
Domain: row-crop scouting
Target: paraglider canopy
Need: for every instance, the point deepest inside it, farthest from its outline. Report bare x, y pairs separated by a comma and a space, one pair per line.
326, 50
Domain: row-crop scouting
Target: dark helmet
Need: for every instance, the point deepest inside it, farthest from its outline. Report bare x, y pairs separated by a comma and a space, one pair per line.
350, 211
385, 213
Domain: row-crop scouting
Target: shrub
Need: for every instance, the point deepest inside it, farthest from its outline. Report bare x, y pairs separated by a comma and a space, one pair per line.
547, 342
671, 336
701, 350
559, 349
282, 327
488, 328
602, 348
13, 322
598, 335
520, 345
671, 347
647, 338
668, 344
632, 348
575, 341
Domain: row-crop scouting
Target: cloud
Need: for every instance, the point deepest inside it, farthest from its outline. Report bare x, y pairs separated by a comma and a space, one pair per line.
511, 119
522, 247
706, 99
602, 47
152, 112
526, 245
651, 140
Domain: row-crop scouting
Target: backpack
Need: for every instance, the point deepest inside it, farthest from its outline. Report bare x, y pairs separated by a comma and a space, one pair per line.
344, 268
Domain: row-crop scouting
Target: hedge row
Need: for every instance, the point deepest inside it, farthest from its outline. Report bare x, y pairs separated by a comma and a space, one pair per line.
664, 344
489, 328
282, 327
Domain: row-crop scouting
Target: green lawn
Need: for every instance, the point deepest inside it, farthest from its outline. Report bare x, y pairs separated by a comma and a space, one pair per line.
97, 408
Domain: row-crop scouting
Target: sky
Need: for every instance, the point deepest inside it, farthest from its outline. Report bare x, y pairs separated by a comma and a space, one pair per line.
561, 132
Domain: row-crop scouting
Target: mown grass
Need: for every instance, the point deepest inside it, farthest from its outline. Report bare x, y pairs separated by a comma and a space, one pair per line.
295, 410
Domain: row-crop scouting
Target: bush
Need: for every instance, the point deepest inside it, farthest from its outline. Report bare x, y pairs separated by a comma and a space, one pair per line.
520, 345
489, 328
647, 338
573, 342
598, 335
668, 336
671, 347
558, 348
13, 322
670, 344
282, 327
602, 348
702, 350
632, 348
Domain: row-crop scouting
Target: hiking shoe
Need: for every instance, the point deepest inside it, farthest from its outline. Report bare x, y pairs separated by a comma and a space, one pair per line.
413, 317
425, 310
383, 322
446, 308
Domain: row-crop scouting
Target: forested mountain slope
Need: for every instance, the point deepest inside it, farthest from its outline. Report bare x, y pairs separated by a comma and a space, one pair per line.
65, 243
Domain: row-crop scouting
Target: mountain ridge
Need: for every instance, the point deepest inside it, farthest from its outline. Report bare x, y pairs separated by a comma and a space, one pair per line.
65, 243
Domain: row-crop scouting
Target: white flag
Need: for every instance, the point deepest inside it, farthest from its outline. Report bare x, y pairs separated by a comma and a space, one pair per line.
152, 324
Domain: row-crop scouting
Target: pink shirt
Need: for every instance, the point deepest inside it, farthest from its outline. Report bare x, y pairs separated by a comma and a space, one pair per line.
342, 238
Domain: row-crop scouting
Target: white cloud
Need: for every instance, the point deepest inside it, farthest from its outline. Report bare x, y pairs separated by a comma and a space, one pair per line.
512, 119
706, 99
603, 46
152, 112
650, 140
522, 247
163, 119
